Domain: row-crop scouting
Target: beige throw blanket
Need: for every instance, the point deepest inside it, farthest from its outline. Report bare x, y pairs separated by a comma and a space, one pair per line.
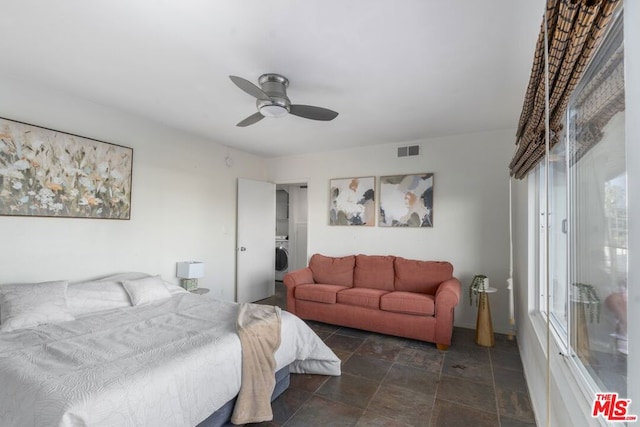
259, 331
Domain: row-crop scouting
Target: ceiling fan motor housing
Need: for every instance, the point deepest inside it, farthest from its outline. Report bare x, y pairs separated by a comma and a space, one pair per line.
275, 86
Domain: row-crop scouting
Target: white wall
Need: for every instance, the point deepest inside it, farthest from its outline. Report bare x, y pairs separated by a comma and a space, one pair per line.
568, 405
183, 200
470, 208
298, 226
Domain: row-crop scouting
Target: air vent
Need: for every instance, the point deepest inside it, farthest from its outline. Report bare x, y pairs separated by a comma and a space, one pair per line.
409, 151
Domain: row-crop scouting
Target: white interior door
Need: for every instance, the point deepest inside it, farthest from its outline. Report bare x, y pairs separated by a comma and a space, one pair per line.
255, 261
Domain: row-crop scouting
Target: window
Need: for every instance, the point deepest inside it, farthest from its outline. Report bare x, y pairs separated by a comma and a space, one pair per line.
558, 230
583, 223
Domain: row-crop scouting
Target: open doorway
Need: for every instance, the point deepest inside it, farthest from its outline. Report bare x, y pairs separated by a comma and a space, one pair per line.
291, 228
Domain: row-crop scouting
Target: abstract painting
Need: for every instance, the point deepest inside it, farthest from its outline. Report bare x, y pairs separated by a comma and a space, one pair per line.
406, 200
44, 172
352, 201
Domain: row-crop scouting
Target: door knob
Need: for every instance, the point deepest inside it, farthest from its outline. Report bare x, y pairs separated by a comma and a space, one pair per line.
242, 249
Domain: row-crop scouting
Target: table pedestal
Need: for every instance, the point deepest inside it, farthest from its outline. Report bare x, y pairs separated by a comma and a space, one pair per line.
484, 326
581, 333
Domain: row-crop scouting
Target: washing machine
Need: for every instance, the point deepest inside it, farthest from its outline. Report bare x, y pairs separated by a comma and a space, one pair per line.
282, 257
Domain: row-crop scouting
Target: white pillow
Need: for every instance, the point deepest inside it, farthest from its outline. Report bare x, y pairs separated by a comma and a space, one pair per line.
175, 289
127, 275
33, 304
120, 277
97, 295
144, 291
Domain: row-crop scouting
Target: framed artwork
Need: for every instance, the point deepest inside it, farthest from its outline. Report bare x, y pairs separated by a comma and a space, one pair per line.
406, 200
48, 173
352, 201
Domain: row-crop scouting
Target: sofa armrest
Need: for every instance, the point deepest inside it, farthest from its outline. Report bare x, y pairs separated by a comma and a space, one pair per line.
448, 293
447, 297
291, 280
298, 277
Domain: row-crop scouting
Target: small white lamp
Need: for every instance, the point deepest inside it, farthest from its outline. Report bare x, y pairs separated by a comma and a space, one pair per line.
190, 272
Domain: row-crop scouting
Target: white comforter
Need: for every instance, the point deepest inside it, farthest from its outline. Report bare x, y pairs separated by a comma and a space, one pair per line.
168, 363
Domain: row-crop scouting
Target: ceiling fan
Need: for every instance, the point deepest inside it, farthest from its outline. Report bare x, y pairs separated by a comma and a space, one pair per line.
272, 100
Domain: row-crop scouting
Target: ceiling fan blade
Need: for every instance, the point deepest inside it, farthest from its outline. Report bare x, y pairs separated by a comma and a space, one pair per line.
314, 113
250, 88
254, 118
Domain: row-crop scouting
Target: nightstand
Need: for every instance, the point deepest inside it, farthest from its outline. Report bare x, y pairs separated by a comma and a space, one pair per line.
200, 291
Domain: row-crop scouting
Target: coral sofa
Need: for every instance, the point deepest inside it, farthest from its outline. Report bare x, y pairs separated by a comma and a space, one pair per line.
386, 294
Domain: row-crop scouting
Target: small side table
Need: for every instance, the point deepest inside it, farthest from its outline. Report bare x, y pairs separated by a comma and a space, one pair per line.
484, 326
200, 291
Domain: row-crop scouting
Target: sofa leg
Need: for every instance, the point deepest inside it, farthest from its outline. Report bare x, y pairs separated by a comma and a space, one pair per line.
442, 347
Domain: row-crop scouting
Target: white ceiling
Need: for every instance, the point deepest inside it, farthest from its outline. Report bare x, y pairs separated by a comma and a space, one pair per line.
396, 71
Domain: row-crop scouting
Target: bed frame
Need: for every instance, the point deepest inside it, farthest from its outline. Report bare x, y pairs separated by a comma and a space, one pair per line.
222, 417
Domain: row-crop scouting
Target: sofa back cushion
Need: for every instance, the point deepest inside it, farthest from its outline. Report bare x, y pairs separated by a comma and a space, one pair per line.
332, 270
374, 271
421, 276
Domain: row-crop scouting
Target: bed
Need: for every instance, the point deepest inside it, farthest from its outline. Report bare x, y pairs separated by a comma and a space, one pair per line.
130, 350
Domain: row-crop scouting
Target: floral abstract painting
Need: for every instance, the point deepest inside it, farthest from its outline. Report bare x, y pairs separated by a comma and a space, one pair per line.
44, 172
352, 201
406, 200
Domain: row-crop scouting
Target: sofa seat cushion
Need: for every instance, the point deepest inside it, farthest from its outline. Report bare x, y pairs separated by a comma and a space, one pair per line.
332, 270
318, 292
374, 272
421, 276
363, 297
408, 303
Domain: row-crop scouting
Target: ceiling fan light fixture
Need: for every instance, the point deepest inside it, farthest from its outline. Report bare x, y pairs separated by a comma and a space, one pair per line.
273, 110
272, 100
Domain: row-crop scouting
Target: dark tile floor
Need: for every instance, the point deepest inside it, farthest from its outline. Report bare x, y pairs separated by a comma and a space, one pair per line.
391, 381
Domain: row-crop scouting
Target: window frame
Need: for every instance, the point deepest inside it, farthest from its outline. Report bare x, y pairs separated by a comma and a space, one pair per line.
541, 188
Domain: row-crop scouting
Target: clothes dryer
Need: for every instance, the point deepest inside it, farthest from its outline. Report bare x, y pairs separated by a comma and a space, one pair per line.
282, 257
